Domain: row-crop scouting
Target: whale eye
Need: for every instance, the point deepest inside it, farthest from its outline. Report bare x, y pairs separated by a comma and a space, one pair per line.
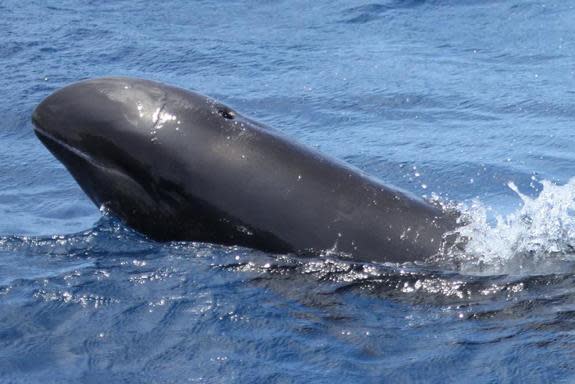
226, 113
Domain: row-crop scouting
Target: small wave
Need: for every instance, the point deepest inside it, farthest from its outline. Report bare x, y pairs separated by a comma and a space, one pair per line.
108, 235
417, 284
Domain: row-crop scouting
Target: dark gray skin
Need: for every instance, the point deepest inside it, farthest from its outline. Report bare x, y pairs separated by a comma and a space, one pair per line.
177, 165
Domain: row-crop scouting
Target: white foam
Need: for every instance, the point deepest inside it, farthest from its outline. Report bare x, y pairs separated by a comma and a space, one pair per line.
539, 236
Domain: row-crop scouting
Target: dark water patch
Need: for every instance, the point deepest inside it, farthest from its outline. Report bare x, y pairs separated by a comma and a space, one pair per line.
370, 12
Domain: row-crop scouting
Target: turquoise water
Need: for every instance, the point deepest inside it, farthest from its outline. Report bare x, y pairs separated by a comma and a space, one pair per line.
469, 101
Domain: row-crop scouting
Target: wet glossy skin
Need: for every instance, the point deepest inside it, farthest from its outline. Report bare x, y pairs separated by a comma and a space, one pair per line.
177, 165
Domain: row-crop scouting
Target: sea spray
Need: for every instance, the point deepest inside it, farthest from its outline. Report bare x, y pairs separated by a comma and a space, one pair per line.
538, 236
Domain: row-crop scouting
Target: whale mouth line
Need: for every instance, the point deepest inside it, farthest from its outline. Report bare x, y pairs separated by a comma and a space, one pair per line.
77, 158
69, 148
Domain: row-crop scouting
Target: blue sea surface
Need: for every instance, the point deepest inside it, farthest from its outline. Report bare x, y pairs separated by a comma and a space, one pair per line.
465, 101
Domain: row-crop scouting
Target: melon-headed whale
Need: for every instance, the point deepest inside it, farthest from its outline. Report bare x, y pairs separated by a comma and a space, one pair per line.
177, 165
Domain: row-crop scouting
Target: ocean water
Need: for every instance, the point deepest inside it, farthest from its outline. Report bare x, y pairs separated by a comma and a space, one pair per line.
471, 102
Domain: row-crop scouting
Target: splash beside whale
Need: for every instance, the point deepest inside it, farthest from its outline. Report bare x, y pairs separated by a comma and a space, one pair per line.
177, 165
